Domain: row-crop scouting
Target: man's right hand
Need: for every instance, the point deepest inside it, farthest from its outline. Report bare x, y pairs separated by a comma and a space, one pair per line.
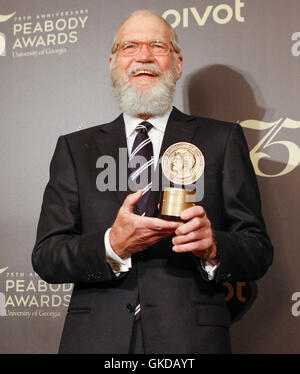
131, 233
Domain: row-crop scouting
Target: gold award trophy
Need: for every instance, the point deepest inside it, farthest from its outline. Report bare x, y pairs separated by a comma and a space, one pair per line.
182, 164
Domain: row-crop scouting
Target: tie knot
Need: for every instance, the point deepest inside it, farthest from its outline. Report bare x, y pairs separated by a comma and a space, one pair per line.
144, 127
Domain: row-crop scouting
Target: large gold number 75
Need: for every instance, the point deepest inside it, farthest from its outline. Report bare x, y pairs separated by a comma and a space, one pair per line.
266, 142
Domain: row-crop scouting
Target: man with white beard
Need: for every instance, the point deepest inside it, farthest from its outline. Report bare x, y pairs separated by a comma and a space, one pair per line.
144, 284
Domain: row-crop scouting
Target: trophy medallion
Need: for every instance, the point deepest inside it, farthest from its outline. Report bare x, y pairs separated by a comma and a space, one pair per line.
182, 164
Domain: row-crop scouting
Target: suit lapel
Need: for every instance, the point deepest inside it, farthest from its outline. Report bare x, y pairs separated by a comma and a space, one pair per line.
179, 128
111, 141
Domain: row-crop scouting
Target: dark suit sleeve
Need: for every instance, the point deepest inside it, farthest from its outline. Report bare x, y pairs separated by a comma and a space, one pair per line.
62, 254
244, 247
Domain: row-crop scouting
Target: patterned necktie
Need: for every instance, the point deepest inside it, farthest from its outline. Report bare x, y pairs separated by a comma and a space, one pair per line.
140, 163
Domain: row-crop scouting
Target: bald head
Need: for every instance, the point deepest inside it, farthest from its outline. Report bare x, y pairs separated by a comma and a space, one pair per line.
151, 17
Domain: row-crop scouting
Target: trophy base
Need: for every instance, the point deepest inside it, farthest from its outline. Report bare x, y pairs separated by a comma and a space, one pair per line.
171, 218
175, 201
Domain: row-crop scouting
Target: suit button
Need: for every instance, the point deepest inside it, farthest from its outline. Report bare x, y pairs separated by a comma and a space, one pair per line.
130, 308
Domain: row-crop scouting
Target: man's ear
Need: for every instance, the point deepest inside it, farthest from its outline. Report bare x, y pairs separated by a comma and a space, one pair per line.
179, 65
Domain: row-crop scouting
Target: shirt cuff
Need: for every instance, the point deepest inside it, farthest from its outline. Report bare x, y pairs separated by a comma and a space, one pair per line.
117, 264
209, 268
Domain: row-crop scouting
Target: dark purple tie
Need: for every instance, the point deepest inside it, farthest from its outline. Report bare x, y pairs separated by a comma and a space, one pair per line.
140, 164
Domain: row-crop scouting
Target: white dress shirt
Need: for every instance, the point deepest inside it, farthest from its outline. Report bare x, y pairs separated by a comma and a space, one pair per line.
156, 134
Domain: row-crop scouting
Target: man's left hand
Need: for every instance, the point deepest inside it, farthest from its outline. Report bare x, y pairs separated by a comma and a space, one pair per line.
196, 235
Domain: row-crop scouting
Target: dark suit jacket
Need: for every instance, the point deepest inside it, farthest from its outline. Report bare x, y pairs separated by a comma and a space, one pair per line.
182, 311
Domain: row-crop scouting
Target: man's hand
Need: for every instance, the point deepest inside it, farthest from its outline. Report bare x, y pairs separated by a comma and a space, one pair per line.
132, 233
196, 235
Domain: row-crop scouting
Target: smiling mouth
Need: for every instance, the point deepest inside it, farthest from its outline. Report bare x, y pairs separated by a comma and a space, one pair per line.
144, 73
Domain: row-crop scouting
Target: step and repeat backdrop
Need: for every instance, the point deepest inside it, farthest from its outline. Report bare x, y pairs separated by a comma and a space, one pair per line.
241, 64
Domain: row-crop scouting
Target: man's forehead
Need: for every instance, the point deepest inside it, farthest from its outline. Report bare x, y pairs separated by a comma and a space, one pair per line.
143, 27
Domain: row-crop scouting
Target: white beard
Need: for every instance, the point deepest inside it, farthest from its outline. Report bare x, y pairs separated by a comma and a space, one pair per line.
134, 102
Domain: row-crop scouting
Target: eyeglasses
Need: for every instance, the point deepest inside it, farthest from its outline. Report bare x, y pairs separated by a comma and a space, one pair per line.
156, 47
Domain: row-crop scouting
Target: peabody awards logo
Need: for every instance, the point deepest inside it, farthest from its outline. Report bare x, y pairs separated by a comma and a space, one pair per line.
27, 296
44, 34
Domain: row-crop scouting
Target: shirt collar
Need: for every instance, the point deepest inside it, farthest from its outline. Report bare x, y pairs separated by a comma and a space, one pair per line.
131, 123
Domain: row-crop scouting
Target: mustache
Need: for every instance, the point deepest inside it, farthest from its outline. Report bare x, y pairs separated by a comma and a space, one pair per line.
149, 67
